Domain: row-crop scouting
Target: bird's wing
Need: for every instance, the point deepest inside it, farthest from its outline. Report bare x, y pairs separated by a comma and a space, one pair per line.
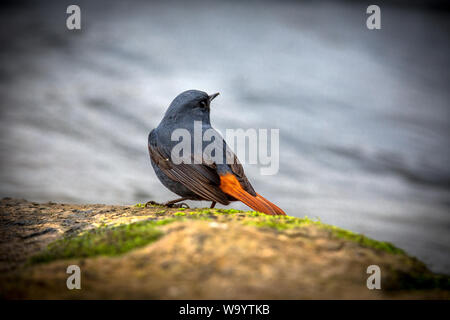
204, 180
238, 170
201, 179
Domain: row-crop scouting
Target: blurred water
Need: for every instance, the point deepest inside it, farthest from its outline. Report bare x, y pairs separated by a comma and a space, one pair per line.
363, 115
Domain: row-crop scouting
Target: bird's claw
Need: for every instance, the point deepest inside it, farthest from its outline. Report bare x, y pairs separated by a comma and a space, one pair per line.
178, 205
169, 205
152, 203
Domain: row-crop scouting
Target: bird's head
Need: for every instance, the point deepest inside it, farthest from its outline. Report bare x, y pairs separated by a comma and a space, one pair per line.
190, 105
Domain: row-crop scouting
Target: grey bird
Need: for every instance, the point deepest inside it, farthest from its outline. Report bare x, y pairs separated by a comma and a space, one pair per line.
216, 181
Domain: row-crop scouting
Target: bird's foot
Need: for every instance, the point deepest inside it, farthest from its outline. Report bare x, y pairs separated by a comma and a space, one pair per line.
153, 203
167, 204
177, 205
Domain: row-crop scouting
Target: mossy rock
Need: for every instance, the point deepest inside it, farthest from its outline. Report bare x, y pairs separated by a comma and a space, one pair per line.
110, 241
169, 253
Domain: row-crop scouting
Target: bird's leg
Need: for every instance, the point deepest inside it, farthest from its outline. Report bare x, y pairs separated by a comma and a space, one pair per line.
152, 203
213, 204
170, 204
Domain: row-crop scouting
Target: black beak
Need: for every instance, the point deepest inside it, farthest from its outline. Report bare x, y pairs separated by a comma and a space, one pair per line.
211, 97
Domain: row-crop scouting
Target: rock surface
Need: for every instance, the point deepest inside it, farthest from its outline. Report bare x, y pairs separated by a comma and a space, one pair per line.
200, 254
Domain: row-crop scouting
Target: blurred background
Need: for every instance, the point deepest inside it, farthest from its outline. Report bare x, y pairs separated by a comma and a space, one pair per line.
363, 114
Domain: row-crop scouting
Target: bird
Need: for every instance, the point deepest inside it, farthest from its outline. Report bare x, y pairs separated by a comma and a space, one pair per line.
220, 181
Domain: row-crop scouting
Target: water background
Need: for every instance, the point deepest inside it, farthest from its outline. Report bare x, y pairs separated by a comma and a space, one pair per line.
363, 115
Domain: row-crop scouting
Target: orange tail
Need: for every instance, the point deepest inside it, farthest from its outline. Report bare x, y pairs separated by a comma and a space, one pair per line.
230, 185
273, 206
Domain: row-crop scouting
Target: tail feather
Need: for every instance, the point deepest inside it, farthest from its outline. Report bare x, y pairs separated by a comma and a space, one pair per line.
272, 205
231, 186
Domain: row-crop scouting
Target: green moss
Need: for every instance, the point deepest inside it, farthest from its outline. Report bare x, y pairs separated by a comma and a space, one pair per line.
287, 222
228, 211
139, 205
364, 241
103, 241
120, 239
258, 219
278, 222
201, 212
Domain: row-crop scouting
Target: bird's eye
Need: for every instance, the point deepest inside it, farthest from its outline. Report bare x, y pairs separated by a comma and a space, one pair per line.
203, 103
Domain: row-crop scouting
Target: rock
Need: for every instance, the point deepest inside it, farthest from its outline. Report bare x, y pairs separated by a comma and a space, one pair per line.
127, 252
38, 233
